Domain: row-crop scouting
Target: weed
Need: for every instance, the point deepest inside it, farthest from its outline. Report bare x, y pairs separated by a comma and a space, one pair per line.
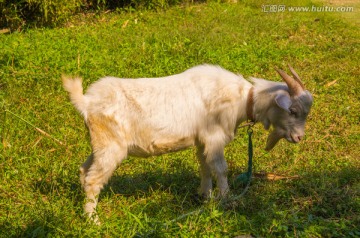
40, 193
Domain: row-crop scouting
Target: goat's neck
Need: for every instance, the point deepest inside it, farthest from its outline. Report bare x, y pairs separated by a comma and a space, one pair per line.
264, 99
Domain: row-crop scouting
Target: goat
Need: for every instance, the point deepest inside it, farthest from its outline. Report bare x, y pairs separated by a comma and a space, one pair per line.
200, 107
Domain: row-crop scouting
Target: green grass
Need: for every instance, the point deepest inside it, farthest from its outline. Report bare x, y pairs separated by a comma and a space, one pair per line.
40, 193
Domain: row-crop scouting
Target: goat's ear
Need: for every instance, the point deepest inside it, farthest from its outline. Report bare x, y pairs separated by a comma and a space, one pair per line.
283, 101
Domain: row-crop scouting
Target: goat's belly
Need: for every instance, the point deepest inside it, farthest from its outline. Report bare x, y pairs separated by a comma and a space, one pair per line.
160, 147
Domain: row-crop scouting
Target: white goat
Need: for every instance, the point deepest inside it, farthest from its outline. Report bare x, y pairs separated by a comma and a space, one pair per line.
200, 107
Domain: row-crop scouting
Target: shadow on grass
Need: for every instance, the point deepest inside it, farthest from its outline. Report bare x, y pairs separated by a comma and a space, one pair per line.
143, 184
324, 186
59, 186
179, 183
326, 201
36, 229
39, 223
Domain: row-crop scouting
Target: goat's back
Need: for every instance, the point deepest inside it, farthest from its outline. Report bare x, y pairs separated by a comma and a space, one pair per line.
171, 111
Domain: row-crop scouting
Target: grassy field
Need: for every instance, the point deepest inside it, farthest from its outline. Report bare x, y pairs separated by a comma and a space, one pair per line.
40, 193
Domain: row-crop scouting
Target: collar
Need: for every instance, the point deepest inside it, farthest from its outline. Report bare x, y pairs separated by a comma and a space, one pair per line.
250, 105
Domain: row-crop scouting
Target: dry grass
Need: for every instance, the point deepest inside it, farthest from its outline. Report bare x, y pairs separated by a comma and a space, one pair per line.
40, 193
352, 16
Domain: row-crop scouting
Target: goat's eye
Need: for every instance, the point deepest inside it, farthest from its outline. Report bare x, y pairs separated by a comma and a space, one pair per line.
292, 112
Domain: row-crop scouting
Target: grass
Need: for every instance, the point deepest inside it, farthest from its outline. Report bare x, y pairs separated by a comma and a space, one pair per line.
40, 194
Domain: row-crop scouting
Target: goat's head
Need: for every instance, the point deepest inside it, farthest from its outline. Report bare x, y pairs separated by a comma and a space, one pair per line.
290, 111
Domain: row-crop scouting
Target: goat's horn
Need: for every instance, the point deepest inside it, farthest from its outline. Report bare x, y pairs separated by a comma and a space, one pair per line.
294, 87
296, 77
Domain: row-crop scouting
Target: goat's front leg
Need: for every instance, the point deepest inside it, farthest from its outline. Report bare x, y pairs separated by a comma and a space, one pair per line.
215, 160
219, 166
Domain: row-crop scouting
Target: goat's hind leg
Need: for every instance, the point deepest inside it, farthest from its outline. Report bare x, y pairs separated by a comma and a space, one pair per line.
205, 173
96, 172
84, 168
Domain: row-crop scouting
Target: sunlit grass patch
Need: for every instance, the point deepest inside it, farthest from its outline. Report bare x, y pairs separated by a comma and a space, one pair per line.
40, 190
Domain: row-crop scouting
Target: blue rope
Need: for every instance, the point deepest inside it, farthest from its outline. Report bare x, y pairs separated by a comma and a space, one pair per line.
245, 178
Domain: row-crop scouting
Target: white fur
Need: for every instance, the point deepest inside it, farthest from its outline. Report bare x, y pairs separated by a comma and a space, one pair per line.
150, 116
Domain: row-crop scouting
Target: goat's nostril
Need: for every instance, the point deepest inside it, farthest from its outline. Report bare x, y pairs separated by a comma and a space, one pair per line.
297, 138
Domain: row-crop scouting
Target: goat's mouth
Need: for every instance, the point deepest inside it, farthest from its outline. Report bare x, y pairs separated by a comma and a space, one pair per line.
293, 138
277, 135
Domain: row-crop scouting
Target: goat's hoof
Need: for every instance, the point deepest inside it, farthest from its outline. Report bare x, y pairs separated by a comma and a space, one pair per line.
96, 220
93, 219
198, 198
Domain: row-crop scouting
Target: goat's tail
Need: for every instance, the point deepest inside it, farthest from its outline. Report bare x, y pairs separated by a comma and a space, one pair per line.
75, 89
